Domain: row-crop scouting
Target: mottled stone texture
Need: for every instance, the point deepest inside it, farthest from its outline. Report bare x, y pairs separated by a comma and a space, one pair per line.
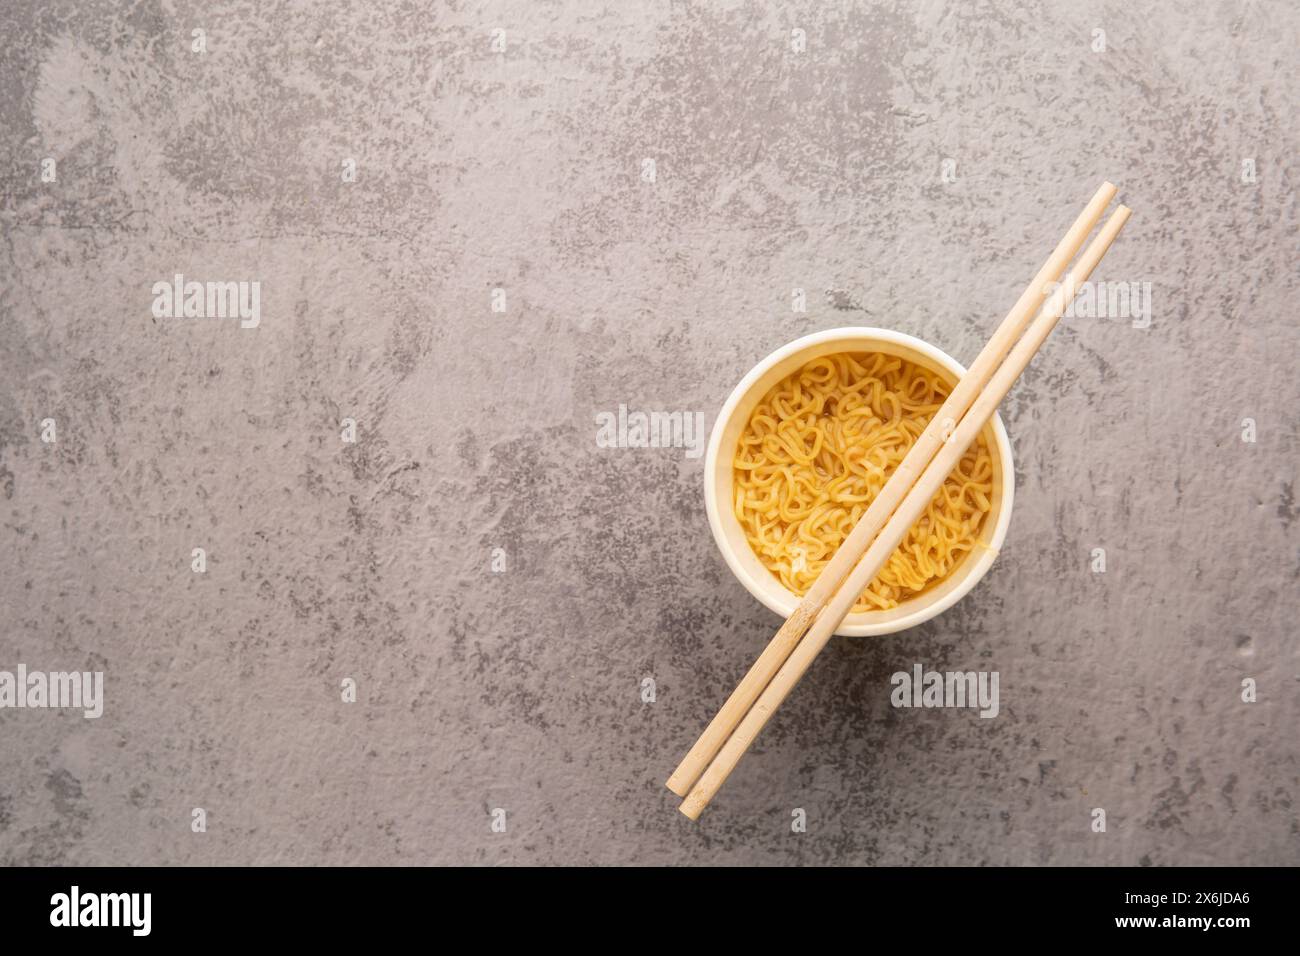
522, 170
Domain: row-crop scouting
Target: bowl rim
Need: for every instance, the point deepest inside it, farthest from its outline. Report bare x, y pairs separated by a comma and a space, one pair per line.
771, 593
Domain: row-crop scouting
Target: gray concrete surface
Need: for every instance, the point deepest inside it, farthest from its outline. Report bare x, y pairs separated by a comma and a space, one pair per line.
522, 170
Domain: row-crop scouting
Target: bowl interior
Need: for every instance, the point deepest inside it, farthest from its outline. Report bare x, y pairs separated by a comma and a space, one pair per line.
765, 585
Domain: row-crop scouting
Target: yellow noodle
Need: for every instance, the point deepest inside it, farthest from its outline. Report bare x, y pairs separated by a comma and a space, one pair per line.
818, 449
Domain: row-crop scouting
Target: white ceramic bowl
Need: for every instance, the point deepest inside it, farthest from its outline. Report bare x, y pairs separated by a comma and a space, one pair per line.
744, 564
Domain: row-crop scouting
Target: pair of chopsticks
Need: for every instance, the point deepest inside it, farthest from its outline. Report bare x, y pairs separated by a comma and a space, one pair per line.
893, 512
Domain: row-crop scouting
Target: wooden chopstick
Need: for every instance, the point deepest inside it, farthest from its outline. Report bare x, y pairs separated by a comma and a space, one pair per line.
878, 512
900, 523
